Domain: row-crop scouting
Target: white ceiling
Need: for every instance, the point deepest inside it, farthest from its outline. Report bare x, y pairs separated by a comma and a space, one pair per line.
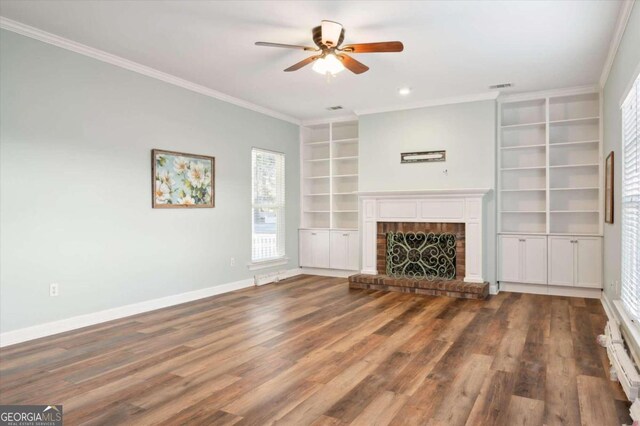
452, 48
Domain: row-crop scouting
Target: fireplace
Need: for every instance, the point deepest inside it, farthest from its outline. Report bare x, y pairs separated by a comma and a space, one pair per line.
421, 250
427, 242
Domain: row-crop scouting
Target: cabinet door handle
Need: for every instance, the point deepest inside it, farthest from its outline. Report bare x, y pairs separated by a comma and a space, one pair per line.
522, 239
345, 235
313, 233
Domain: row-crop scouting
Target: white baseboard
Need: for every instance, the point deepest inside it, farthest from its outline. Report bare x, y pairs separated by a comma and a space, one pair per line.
338, 273
55, 327
494, 288
551, 290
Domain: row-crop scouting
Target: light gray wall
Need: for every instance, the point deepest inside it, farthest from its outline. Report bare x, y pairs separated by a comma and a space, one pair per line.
622, 74
466, 131
75, 191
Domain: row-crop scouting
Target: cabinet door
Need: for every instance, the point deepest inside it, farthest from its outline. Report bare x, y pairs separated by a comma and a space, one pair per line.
320, 248
304, 252
353, 251
561, 261
510, 262
339, 249
588, 262
534, 260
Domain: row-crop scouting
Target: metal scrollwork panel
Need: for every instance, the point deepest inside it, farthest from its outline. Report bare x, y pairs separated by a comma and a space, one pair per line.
420, 255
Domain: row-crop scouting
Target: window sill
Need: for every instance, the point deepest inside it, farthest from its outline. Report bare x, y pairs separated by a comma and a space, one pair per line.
269, 263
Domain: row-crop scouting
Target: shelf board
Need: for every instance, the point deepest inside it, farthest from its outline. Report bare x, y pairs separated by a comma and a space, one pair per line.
345, 211
317, 143
317, 177
524, 146
353, 157
348, 140
515, 126
316, 211
574, 120
523, 211
523, 190
317, 160
582, 234
572, 143
574, 211
321, 194
564, 166
521, 233
523, 168
345, 193
575, 189
341, 176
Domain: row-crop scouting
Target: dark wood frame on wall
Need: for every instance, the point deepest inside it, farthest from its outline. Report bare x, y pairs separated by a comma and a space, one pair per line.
154, 205
608, 188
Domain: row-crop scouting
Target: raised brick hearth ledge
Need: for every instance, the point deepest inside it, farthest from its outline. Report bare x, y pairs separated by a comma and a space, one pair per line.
451, 288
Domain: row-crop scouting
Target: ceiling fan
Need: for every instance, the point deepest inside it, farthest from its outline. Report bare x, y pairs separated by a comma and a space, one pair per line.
332, 57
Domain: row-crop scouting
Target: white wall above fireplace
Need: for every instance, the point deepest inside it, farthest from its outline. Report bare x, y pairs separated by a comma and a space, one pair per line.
429, 206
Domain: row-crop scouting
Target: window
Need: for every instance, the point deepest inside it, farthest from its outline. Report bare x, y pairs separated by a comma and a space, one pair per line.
630, 206
268, 197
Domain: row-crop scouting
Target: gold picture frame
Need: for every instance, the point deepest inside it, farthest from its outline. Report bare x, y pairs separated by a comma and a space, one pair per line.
608, 188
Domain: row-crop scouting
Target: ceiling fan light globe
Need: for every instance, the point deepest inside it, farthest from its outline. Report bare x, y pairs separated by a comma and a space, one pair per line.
330, 64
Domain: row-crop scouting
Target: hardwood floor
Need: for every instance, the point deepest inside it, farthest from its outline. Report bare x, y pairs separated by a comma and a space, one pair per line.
309, 351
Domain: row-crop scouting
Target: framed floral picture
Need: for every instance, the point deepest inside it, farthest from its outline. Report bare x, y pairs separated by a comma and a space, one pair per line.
182, 180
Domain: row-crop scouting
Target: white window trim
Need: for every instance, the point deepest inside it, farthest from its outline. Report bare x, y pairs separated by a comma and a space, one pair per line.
283, 259
622, 315
268, 263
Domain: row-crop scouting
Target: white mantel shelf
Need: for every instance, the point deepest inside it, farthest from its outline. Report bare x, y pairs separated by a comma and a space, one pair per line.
429, 206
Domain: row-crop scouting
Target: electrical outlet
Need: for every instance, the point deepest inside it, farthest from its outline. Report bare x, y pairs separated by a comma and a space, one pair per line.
53, 290
232, 261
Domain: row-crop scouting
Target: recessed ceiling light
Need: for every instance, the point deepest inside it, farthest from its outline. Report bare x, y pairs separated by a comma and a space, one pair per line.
404, 91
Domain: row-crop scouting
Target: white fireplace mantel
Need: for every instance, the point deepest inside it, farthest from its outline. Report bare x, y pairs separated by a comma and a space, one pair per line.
430, 206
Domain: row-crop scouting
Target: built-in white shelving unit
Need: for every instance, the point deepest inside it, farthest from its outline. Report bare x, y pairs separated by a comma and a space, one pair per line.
550, 193
330, 176
550, 165
329, 236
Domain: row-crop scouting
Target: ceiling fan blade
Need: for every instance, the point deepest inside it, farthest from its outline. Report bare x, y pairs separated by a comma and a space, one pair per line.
385, 46
352, 65
286, 46
302, 63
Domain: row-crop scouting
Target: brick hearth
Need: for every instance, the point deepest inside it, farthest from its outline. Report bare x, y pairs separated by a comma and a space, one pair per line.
451, 288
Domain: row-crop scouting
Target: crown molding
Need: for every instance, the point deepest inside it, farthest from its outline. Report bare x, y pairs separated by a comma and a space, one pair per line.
527, 96
326, 120
431, 103
621, 25
35, 33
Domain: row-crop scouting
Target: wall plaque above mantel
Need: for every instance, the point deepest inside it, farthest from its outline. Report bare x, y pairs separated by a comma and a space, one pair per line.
423, 157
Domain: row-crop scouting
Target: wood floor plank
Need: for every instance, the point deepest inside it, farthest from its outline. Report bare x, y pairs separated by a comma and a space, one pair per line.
311, 351
525, 411
597, 406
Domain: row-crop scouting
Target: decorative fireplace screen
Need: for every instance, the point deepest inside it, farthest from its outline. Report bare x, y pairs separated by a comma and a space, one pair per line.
421, 255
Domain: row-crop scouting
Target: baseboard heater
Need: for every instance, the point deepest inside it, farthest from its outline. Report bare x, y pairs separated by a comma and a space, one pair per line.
622, 367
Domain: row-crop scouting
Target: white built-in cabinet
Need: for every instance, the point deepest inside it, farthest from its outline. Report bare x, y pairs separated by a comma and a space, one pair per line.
524, 259
329, 185
314, 248
571, 261
344, 250
550, 187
